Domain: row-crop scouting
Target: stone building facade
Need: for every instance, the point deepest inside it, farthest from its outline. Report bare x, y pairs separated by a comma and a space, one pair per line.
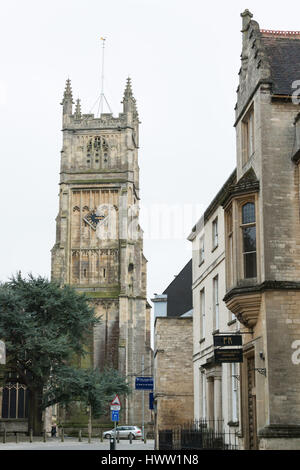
173, 373
99, 242
262, 237
216, 385
173, 349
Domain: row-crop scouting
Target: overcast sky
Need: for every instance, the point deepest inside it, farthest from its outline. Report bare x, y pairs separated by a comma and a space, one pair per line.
183, 58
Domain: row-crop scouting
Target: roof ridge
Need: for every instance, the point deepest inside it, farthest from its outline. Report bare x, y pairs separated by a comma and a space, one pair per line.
273, 32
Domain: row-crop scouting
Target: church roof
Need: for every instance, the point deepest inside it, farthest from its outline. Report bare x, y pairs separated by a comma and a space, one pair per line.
283, 53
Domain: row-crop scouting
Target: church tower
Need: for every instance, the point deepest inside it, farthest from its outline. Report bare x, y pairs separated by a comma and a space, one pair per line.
99, 243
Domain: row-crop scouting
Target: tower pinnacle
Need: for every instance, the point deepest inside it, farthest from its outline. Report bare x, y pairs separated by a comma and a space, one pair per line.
129, 102
77, 109
67, 100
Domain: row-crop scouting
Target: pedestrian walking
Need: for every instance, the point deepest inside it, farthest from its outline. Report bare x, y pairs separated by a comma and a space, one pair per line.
53, 430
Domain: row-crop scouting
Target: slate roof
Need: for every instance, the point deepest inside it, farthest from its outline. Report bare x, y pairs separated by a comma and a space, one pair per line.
283, 52
179, 292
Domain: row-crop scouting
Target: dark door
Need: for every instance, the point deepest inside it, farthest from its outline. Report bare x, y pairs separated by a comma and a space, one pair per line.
251, 398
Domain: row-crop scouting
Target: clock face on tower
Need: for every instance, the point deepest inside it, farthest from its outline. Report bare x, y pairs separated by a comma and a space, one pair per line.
92, 218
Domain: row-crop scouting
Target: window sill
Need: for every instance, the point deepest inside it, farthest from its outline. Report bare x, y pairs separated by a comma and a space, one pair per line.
215, 332
214, 248
231, 322
202, 262
201, 340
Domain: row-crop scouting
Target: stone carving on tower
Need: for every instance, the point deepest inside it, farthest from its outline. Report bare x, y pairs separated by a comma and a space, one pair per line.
99, 243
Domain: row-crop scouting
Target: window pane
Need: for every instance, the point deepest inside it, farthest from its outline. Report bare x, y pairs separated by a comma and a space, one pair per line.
248, 213
26, 402
250, 135
249, 239
13, 403
5, 401
202, 313
21, 402
215, 233
250, 265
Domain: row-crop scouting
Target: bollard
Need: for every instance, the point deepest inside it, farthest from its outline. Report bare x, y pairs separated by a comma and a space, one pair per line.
101, 436
112, 445
79, 436
145, 438
89, 439
17, 436
44, 436
130, 438
118, 437
30, 435
62, 435
4, 436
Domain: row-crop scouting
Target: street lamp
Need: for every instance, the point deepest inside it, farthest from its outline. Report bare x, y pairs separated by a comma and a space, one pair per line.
2, 353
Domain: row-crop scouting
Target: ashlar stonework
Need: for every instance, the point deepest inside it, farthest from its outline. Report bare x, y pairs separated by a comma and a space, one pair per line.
99, 243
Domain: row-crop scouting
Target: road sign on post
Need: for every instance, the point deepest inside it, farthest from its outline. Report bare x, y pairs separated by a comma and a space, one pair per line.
115, 415
116, 401
151, 401
144, 383
115, 407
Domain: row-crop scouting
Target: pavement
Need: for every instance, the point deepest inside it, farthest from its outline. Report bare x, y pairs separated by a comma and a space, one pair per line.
74, 444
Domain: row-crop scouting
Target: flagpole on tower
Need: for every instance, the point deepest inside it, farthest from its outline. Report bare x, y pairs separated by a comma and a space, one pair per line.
102, 75
102, 95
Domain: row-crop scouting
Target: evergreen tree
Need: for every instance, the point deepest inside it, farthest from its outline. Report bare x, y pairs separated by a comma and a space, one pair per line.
44, 326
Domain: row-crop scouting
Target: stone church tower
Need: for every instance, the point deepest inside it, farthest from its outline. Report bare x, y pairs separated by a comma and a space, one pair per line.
99, 243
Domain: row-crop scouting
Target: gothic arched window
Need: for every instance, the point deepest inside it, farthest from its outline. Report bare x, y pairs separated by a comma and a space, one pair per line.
97, 150
14, 401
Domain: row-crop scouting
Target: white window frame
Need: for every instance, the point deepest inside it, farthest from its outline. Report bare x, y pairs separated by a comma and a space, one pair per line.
216, 302
202, 313
215, 234
201, 250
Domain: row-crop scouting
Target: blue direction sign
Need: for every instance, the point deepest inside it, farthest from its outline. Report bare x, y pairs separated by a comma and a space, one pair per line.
115, 415
144, 383
151, 401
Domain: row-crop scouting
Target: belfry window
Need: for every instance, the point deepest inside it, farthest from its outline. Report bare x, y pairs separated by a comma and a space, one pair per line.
97, 150
248, 227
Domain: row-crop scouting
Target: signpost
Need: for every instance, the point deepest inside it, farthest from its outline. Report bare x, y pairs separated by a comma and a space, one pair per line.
115, 407
151, 401
144, 383
115, 416
228, 340
229, 355
115, 404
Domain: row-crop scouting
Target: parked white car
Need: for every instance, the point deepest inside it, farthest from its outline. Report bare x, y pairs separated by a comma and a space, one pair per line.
125, 432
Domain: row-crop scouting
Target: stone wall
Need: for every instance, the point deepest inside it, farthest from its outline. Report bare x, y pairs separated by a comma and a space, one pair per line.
173, 372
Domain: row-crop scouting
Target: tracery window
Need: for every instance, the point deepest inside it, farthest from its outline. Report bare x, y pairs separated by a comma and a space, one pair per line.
97, 150
14, 401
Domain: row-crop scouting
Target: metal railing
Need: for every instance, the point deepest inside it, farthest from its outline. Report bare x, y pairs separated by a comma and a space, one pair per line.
198, 435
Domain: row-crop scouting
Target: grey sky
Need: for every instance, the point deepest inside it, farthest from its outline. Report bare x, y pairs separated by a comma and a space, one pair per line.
183, 58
